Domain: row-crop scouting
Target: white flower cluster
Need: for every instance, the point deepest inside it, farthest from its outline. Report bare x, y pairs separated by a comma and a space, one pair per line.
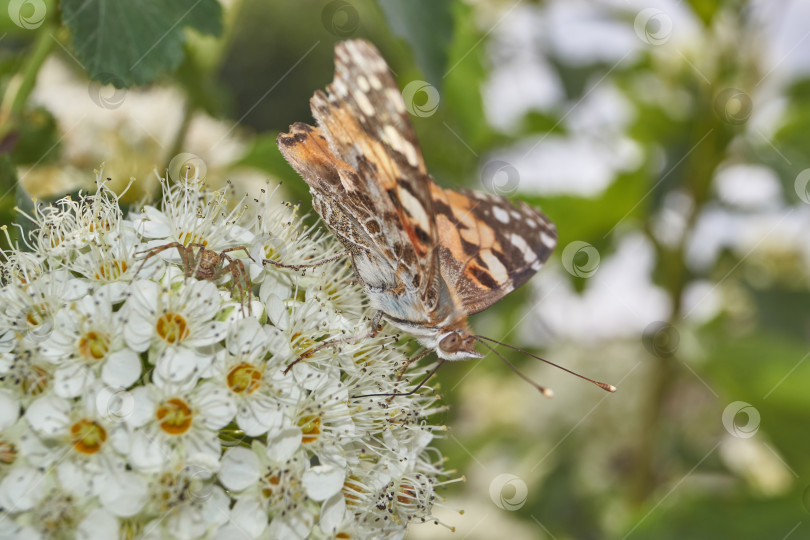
143, 391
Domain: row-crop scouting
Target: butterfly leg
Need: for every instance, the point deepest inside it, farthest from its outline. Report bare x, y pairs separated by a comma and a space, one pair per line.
305, 265
376, 326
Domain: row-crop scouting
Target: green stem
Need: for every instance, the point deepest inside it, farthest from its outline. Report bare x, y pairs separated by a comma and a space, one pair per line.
14, 102
182, 131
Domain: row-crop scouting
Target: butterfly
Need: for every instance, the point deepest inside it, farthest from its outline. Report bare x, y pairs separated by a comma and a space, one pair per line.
426, 256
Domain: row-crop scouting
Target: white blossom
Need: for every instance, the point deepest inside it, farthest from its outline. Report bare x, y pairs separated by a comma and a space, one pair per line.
146, 394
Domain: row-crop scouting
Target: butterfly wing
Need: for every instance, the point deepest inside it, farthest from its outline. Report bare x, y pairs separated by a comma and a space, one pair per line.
371, 186
488, 246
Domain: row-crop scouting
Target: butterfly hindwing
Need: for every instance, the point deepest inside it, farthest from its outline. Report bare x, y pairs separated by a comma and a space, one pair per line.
488, 246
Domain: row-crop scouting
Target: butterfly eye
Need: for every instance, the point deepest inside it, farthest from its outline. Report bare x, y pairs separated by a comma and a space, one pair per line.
450, 343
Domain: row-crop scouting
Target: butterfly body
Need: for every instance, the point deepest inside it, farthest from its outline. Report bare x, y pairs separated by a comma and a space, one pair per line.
427, 257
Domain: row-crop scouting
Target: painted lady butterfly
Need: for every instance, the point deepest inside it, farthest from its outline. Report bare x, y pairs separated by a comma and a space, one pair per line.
428, 257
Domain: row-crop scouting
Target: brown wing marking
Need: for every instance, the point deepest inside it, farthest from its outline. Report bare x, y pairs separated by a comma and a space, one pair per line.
488, 246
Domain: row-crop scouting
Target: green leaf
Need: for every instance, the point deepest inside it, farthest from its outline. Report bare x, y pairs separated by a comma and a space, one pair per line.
126, 43
717, 515
427, 26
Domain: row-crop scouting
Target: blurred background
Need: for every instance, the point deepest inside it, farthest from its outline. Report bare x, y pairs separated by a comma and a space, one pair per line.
669, 142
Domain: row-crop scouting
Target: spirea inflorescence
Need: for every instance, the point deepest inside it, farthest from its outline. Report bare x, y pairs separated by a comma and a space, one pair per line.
140, 398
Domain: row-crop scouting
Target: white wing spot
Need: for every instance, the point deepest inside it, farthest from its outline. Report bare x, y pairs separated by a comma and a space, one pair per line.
395, 98
375, 82
364, 104
548, 240
500, 214
515, 214
412, 205
532, 223
362, 83
495, 267
528, 255
340, 88
400, 144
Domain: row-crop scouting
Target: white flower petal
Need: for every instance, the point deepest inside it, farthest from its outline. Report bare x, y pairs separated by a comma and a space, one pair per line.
332, 513
72, 380
258, 418
49, 416
21, 489
153, 223
98, 523
121, 369
176, 364
323, 481
9, 408
124, 493
240, 469
282, 445
141, 409
249, 516
148, 454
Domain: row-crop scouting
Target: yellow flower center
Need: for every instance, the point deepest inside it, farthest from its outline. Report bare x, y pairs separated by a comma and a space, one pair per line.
192, 238
310, 425
244, 379
94, 346
175, 416
111, 270
8, 453
172, 328
88, 436
37, 315
35, 381
351, 490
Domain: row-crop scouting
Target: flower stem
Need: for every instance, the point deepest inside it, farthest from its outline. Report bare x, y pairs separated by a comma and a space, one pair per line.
16, 98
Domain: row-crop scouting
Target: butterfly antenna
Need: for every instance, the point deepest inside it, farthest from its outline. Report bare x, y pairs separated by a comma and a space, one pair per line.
604, 386
542, 389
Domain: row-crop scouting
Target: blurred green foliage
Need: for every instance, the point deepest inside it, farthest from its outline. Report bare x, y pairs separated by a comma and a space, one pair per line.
255, 64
